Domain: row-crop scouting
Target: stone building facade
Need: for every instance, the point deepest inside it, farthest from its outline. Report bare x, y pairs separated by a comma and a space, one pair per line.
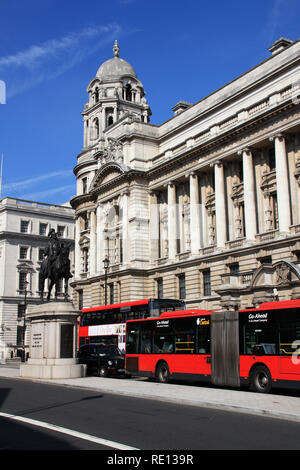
24, 229
203, 207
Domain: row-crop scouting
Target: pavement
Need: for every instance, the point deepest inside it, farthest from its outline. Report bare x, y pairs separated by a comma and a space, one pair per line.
282, 405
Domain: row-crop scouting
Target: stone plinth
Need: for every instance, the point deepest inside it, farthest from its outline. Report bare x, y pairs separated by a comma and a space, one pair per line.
53, 339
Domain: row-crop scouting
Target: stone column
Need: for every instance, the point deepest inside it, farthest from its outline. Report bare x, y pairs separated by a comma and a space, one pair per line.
172, 226
194, 214
77, 247
85, 131
220, 205
93, 242
282, 184
99, 239
125, 227
154, 227
249, 195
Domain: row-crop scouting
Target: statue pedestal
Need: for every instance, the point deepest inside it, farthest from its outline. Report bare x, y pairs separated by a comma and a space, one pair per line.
52, 346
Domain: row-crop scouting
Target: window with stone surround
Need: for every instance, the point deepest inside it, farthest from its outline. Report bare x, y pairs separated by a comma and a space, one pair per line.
23, 252
43, 228
206, 282
22, 281
181, 285
160, 288
24, 228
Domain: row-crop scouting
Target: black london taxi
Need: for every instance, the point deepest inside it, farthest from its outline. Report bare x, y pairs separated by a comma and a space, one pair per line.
102, 359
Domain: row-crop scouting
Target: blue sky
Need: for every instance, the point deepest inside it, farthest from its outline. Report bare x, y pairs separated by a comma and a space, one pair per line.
51, 49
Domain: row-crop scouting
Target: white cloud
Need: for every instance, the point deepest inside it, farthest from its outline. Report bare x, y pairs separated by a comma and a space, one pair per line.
50, 59
27, 183
68, 190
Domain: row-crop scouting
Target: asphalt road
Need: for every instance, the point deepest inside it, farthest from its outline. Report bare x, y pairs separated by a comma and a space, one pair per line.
119, 420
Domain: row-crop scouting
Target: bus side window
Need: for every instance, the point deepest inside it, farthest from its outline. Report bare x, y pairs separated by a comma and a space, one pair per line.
204, 339
145, 343
132, 342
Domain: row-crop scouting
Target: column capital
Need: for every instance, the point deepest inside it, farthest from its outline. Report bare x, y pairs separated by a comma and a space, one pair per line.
169, 184
217, 163
125, 192
191, 173
244, 150
279, 136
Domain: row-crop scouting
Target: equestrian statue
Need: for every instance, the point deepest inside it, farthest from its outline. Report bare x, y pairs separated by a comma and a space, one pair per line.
55, 266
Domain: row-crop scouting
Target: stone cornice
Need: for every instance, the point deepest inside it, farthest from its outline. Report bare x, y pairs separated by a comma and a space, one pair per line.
26, 237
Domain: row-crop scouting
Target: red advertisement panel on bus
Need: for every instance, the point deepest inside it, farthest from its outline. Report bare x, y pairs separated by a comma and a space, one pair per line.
106, 323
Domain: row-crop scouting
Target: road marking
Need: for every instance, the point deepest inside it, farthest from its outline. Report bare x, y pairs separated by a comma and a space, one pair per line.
70, 432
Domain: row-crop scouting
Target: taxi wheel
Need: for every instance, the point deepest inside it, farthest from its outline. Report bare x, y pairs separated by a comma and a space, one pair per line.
102, 371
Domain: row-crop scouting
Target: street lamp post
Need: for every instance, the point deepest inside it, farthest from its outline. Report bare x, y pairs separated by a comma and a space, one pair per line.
24, 318
106, 265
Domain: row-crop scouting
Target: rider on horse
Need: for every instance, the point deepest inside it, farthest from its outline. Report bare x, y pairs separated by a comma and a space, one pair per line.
56, 264
52, 251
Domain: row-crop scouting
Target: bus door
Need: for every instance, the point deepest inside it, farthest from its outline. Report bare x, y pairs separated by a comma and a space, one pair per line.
203, 345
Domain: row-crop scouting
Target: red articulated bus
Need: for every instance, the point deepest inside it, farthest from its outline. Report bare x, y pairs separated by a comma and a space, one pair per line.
106, 323
259, 348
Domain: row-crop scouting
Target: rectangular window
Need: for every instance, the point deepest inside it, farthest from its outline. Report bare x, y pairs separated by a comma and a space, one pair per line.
41, 254
43, 229
22, 281
259, 333
84, 185
206, 282
23, 252
146, 340
182, 292
80, 299
289, 333
163, 343
185, 336
203, 335
234, 269
24, 226
60, 231
111, 293
20, 335
21, 310
132, 341
160, 288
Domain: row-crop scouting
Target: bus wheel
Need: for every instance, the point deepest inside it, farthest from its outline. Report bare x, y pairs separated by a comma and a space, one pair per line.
163, 373
261, 380
102, 371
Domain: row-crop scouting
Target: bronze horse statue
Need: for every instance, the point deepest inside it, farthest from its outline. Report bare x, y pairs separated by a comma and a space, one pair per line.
55, 267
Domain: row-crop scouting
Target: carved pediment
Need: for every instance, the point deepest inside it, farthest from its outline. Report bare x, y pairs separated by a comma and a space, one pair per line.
108, 172
281, 273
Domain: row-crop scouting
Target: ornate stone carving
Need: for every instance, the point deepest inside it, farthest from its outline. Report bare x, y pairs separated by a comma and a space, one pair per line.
112, 151
283, 274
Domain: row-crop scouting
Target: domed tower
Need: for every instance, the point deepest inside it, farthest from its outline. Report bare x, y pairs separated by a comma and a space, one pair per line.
113, 93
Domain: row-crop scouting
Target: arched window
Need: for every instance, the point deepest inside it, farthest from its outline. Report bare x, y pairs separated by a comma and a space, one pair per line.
109, 116
128, 92
96, 95
95, 133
